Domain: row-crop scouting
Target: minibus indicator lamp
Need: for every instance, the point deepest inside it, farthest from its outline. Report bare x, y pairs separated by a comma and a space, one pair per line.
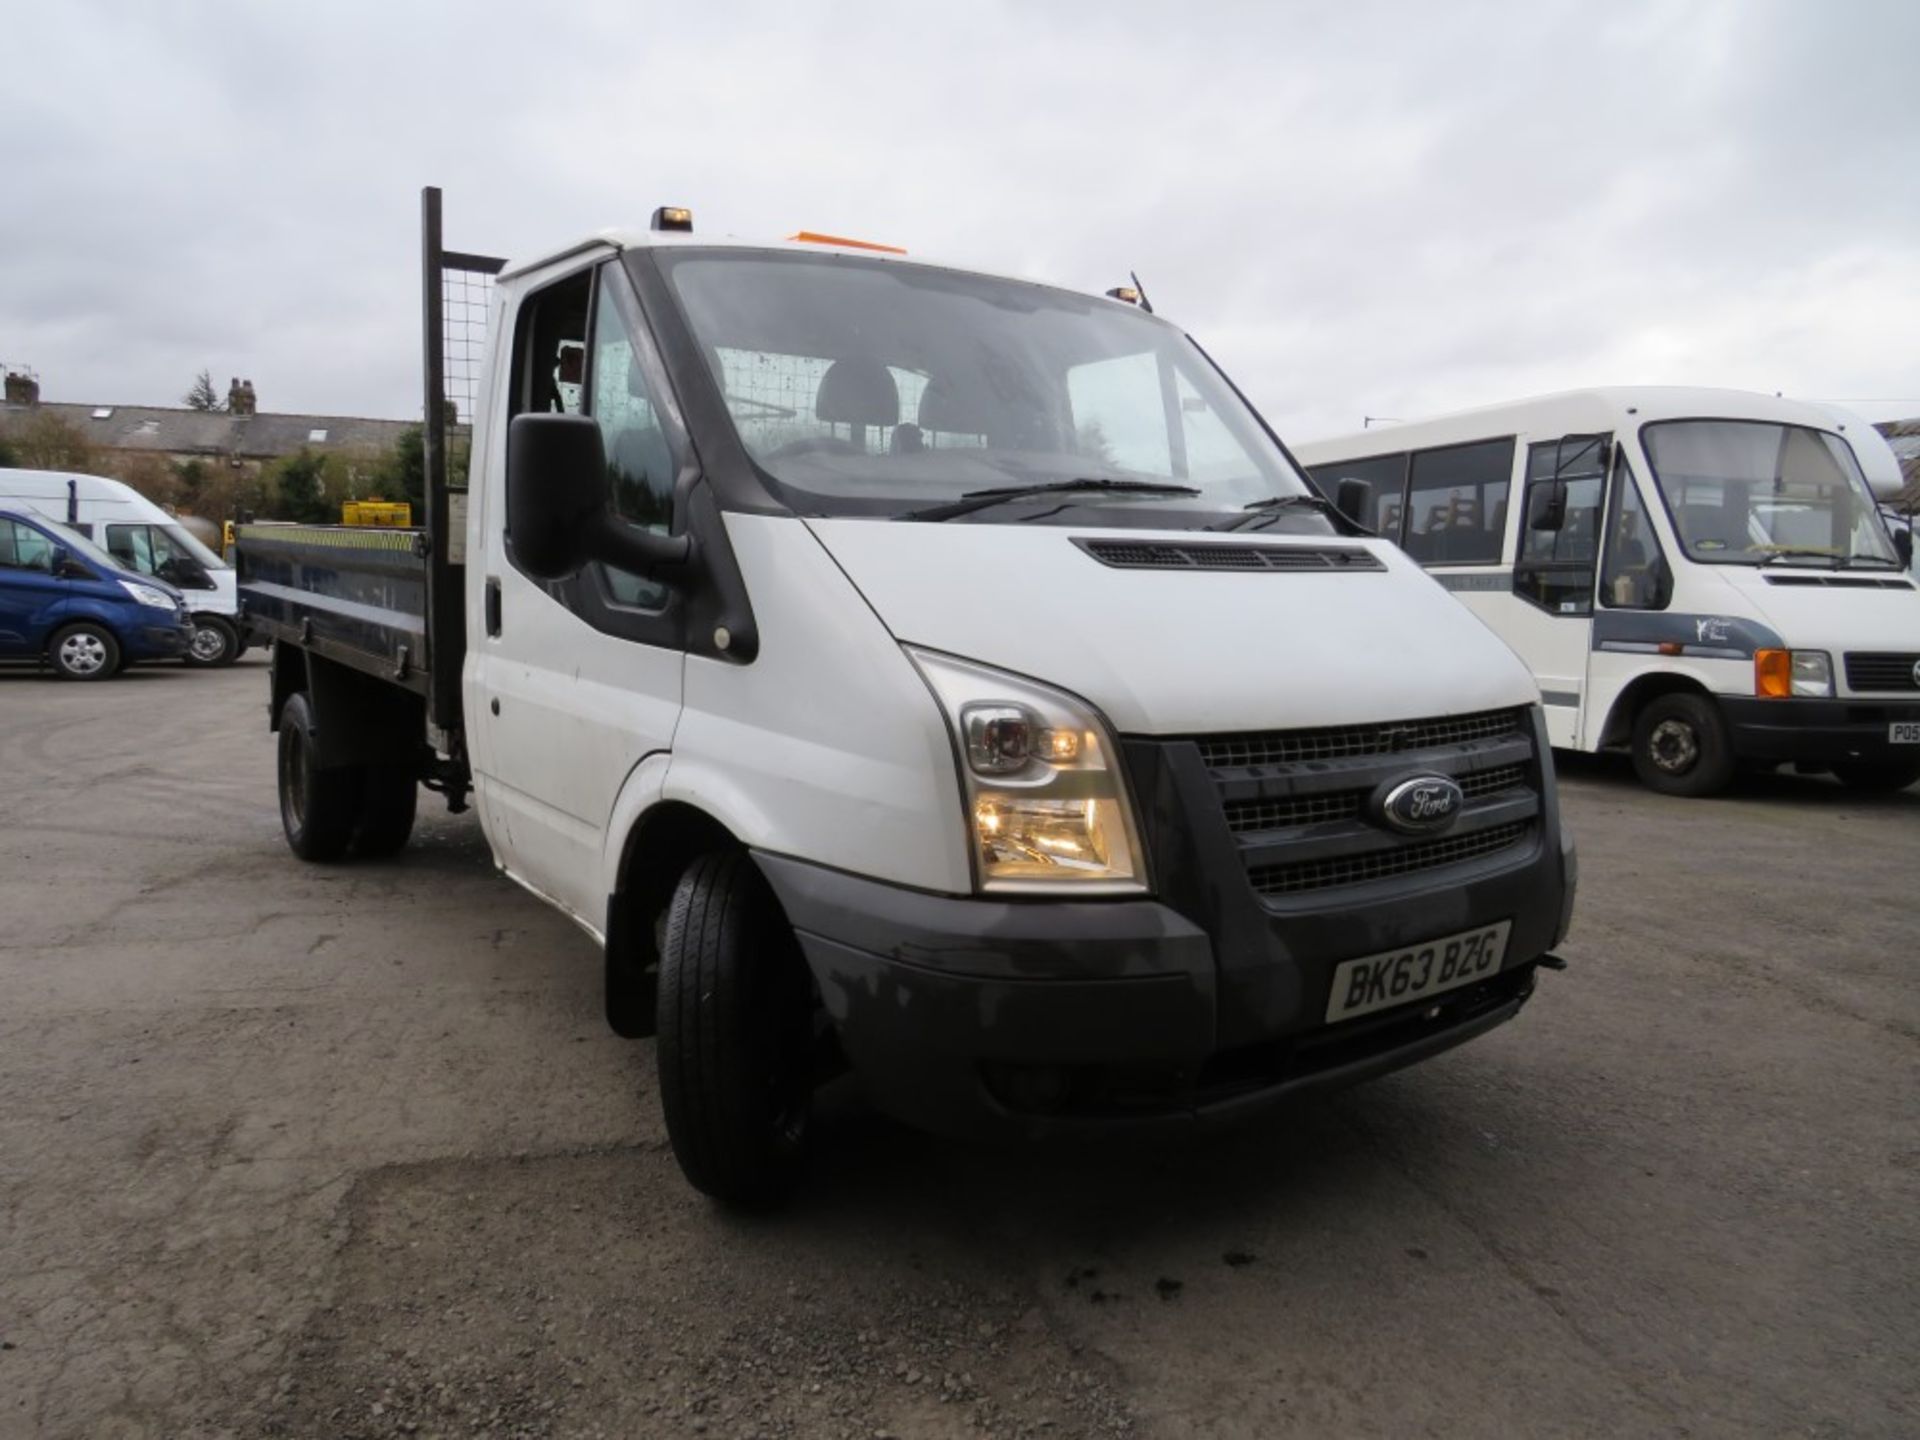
673, 217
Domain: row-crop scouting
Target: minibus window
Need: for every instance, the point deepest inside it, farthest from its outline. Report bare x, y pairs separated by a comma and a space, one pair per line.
1556, 567
1750, 492
1457, 503
132, 546
1635, 574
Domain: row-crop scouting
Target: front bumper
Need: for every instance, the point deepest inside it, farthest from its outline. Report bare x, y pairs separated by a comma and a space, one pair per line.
159, 642
988, 1018
1818, 732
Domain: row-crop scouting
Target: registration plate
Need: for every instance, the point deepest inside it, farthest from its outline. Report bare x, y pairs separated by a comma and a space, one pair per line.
1904, 732
1396, 977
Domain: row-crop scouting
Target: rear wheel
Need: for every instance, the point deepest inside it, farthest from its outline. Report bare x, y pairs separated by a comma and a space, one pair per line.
84, 652
1681, 746
215, 643
1878, 777
735, 1045
319, 808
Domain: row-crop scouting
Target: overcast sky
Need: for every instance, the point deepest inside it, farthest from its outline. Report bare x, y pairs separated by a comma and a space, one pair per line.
1359, 209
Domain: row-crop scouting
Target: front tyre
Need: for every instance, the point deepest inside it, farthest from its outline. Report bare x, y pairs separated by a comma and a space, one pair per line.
215, 643
1681, 746
84, 652
319, 808
1877, 778
735, 1034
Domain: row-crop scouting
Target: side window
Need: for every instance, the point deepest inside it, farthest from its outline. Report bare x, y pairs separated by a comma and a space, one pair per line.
7, 551
1635, 574
132, 546
1556, 567
30, 550
1386, 475
550, 348
639, 460
1119, 414
1457, 503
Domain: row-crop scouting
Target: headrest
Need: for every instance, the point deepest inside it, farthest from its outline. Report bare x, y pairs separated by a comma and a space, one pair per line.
946, 409
857, 391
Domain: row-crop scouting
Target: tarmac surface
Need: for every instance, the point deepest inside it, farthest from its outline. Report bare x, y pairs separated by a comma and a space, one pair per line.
349, 1151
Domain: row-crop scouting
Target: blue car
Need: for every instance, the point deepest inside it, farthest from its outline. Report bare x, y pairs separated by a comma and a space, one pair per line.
67, 603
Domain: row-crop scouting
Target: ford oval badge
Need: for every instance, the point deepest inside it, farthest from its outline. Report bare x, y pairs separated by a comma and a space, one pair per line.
1422, 805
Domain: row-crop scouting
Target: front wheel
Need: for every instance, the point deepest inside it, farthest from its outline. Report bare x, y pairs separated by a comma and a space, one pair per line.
1681, 746
215, 643
319, 808
84, 652
1878, 777
735, 1040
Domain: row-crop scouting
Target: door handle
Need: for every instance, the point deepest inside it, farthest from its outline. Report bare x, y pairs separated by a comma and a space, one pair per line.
493, 607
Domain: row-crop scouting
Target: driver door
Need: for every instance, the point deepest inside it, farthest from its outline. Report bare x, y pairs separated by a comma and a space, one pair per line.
572, 683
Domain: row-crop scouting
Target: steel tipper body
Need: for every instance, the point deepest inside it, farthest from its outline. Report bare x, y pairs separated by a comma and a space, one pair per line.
947, 676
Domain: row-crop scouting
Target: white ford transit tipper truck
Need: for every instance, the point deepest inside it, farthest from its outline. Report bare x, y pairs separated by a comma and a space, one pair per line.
874, 658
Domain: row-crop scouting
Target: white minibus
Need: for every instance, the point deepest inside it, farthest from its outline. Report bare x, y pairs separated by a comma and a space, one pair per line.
146, 539
1699, 576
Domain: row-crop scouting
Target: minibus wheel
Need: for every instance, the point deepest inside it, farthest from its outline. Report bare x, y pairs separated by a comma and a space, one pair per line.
387, 807
318, 807
214, 643
84, 652
735, 1039
1681, 745
1877, 779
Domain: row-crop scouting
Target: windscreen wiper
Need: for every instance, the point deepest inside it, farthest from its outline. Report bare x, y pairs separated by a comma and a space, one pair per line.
981, 499
1856, 560
1798, 557
1271, 508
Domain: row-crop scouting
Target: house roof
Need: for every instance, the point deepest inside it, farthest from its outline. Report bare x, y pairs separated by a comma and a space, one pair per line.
1904, 437
170, 430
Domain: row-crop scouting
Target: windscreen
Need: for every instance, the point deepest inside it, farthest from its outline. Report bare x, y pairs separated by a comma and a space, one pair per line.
1745, 492
875, 387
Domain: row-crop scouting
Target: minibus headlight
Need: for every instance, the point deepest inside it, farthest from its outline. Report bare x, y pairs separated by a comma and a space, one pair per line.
1779, 674
1047, 807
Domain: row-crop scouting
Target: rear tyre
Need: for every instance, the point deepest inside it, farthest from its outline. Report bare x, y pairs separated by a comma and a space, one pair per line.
1681, 746
736, 1035
215, 643
387, 808
84, 652
319, 808
1878, 778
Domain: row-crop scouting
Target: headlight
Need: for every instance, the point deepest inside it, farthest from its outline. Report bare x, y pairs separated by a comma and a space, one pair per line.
1781, 673
1047, 807
147, 595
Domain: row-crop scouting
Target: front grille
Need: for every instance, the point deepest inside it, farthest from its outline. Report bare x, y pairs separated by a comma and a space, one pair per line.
1299, 803
1226, 555
1382, 865
1286, 747
1871, 670
1254, 815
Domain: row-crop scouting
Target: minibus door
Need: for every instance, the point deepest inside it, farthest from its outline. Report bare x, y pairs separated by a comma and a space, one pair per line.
1551, 622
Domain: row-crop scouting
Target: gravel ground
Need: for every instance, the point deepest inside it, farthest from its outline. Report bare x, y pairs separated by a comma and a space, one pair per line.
349, 1152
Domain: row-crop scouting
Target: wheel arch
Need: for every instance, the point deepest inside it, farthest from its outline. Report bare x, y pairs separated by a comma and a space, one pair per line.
1617, 732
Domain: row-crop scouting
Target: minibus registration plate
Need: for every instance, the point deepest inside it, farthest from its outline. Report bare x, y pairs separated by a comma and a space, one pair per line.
1904, 732
1395, 977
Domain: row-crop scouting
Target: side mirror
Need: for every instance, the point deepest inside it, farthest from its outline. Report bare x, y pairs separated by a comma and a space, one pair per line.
1354, 499
559, 515
1547, 506
65, 567
1903, 547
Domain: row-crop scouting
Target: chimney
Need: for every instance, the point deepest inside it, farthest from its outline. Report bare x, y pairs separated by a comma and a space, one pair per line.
248, 403
22, 387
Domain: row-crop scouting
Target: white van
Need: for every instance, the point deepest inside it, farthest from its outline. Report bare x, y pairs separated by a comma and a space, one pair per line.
1701, 576
146, 539
863, 652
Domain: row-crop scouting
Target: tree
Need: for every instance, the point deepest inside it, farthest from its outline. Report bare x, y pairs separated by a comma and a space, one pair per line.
9, 457
47, 442
202, 395
190, 479
303, 490
402, 471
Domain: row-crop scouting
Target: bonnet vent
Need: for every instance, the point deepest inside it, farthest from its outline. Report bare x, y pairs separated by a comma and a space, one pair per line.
1208, 555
